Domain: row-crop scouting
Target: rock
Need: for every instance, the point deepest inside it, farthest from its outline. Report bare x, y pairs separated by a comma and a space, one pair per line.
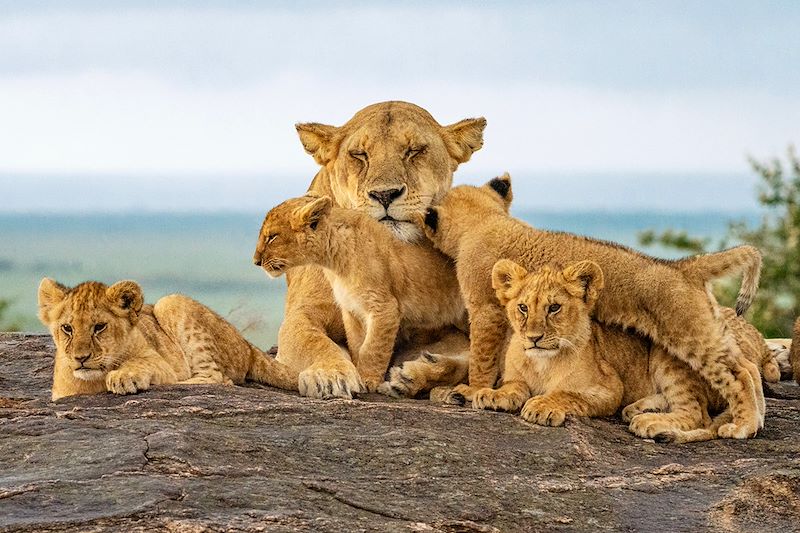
199, 458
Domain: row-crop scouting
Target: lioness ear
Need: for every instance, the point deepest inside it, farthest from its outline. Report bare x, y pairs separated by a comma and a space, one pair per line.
464, 138
127, 295
319, 140
310, 214
588, 276
506, 275
502, 186
50, 293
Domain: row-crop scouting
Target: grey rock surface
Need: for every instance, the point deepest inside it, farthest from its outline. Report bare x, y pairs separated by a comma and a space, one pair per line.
215, 458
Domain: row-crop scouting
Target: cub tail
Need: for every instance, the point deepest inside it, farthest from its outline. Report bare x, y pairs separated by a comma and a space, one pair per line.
741, 259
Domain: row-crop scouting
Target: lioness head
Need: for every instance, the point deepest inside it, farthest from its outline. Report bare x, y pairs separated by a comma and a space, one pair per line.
90, 323
292, 234
392, 160
462, 208
548, 309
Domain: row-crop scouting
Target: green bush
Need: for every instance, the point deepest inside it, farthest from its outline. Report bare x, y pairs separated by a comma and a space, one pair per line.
777, 236
7, 324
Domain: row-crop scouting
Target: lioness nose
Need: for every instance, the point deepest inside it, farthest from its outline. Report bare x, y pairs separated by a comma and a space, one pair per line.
82, 358
386, 197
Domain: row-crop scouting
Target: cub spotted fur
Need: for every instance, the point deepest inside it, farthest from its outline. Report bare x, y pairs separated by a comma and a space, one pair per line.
560, 362
667, 301
108, 340
383, 286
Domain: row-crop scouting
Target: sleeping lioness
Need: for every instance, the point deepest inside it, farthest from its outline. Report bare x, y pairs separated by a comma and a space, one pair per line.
667, 301
381, 294
108, 340
560, 362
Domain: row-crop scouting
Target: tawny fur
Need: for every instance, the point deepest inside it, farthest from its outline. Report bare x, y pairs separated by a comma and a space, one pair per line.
108, 340
390, 146
667, 301
560, 362
385, 297
794, 351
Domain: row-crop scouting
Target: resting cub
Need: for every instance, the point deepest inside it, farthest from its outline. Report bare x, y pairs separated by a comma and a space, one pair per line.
108, 340
382, 285
664, 300
560, 362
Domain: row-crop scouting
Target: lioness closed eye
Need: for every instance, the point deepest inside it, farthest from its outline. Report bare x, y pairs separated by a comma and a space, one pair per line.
108, 340
664, 300
382, 286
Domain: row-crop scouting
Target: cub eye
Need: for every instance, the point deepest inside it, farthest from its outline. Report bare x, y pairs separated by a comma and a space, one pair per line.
271, 238
523, 309
358, 154
66, 328
98, 328
554, 308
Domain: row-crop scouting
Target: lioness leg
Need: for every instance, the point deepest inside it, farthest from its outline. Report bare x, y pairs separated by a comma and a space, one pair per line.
307, 339
551, 409
509, 397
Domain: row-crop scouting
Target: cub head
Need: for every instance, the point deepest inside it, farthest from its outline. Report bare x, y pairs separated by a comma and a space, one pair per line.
292, 234
392, 160
463, 207
90, 323
549, 309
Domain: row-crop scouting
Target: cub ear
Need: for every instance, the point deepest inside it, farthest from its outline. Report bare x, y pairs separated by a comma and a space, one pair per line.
50, 293
506, 276
319, 140
588, 276
310, 214
127, 295
502, 186
464, 138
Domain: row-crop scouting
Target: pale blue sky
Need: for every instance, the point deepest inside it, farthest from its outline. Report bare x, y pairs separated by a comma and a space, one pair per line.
580, 96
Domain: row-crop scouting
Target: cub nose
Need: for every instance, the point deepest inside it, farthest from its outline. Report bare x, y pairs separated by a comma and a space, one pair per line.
535, 338
82, 358
386, 197
257, 260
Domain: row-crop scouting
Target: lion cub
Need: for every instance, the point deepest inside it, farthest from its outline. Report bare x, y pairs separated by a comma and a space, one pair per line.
665, 300
560, 362
383, 286
108, 340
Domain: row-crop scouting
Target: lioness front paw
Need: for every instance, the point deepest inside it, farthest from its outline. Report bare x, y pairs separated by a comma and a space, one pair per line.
324, 383
494, 399
127, 382
543, 412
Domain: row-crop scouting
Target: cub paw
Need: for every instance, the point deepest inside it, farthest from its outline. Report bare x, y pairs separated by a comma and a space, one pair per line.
325, 383
652, 426
541, 411
126, 382
399, 385
494, 400
737, 431
459, 395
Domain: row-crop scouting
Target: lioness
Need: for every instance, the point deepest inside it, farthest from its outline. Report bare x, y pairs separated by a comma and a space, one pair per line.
665, 300
560, 362
379, 293
392, 160
108, 340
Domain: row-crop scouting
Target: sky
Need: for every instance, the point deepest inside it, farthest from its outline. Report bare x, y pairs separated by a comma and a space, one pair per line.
184, 105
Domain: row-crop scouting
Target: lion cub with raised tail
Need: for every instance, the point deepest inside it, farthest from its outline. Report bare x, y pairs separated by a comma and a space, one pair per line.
561, 362
108, 340
667, 301
383, 286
